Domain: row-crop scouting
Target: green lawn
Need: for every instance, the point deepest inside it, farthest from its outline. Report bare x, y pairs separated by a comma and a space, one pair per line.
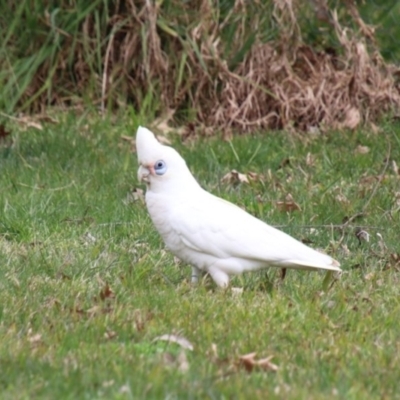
86, 284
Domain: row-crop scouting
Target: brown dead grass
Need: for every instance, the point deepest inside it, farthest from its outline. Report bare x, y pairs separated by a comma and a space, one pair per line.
309, 90
279, 86
184, 61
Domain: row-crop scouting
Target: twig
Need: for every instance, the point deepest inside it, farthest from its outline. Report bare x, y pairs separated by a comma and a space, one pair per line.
44, 188
352, 218
10, 117
116, 223
330, 226
105, 74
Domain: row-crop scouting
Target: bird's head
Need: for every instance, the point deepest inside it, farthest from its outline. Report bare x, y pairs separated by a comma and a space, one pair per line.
160, 167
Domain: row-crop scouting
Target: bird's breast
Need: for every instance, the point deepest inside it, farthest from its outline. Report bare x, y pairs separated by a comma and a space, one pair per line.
161, 211
167, 213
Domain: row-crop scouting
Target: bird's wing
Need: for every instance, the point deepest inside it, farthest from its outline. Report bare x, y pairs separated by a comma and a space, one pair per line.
210, 225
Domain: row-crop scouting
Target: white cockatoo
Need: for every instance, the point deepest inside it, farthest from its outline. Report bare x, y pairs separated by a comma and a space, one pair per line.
207, 232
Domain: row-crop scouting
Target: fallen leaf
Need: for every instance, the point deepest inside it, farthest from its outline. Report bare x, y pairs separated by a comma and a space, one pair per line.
171, 338
352, 118
289, 205
106, 293
362, 235
35, 339
136, 194
235, 177
249, 362
110, 335
361, 149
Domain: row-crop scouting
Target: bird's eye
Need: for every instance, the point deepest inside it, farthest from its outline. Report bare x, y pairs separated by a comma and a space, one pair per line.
160, 167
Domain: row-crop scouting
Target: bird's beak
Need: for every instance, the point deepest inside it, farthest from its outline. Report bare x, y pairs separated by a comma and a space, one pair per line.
144, 173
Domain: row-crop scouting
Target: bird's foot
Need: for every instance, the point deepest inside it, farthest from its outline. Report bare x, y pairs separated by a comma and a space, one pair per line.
195, 276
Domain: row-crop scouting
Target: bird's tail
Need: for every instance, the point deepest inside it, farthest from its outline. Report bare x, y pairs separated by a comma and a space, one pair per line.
298, 264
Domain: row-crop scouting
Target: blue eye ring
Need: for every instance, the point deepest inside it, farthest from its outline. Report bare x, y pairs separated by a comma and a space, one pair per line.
160, 167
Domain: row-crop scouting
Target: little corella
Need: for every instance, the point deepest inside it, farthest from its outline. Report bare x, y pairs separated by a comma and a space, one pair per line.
207, 232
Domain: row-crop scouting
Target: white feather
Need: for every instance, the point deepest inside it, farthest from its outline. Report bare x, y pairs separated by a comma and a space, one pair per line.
212, 234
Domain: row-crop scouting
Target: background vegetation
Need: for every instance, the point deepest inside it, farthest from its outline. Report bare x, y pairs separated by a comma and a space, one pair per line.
227, 64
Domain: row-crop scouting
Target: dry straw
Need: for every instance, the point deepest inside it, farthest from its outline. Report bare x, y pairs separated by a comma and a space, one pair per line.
217, 67
287, 83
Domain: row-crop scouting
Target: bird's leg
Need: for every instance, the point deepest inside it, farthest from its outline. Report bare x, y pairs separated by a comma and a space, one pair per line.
219, 277
330, 278
195, 275
283, 273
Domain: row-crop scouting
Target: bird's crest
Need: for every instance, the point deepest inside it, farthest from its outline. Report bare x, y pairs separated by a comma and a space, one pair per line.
146, 143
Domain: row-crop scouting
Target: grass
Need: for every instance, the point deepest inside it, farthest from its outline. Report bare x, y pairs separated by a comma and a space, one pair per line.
86, 285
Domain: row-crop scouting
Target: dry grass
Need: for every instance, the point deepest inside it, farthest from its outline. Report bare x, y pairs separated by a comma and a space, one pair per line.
240, 66
287, 83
